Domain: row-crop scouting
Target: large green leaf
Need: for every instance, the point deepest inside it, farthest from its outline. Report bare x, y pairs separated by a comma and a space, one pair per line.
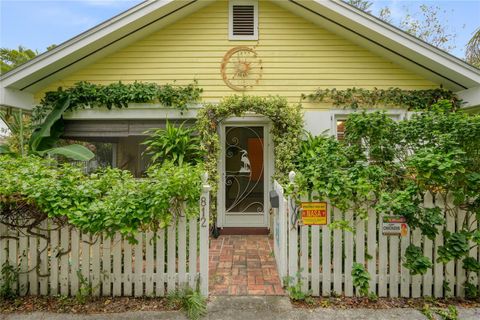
4, 149
45, 129
73, 151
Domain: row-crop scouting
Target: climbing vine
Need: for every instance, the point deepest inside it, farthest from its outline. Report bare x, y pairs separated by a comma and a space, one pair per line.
286, 130
119, 95
391, 166
33, 189
355, 98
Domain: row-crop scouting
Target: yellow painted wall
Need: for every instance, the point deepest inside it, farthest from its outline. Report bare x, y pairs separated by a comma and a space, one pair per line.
298, 57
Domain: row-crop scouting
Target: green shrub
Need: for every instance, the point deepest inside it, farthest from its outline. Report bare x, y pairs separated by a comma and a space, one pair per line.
110, 200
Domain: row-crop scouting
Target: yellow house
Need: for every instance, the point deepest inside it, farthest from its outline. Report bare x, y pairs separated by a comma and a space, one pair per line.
254, 47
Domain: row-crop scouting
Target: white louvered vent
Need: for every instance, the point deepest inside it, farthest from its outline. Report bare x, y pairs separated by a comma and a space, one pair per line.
243, 20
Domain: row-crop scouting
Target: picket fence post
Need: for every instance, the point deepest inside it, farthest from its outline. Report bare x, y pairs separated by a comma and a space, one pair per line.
204, 233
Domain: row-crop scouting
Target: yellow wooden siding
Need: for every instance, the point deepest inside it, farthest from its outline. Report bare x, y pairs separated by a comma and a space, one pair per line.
298, 57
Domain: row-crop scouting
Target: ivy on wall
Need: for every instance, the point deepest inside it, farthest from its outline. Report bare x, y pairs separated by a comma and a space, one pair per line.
119, 95
286, 130
355, 98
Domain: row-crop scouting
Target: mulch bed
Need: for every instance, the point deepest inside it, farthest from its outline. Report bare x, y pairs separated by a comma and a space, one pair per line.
94, 305
382, 303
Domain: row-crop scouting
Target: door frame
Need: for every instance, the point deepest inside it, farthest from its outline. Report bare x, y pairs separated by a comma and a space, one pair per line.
268, 164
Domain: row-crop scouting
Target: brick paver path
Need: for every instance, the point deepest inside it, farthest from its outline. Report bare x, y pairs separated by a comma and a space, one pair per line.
243, 265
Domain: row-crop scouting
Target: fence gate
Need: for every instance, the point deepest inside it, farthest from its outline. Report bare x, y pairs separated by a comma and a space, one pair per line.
64, 260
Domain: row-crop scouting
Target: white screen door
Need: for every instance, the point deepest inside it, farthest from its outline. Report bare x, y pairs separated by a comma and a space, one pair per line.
244, 178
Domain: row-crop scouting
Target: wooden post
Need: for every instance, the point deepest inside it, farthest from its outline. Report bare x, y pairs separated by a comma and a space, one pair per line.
204, 234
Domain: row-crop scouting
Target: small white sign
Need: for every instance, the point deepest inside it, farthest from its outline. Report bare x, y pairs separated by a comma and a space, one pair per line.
394, 226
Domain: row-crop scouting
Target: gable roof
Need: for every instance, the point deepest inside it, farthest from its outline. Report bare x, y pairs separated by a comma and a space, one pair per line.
18, 85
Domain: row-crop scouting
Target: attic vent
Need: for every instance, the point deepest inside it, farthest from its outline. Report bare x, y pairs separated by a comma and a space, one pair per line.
243, 20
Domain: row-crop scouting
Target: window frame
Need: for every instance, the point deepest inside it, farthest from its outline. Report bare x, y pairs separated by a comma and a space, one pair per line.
232, 3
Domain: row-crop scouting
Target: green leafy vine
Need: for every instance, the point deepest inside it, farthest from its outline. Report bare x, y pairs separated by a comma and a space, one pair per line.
286, 130
119, 95
355, 98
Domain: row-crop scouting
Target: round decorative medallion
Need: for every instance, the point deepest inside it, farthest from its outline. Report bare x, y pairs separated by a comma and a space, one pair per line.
241, 68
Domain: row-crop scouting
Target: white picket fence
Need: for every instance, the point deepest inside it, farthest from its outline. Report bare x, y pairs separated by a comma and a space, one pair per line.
69, 261
323, 258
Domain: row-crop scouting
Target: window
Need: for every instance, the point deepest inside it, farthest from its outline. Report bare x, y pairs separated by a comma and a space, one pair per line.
243, 20
340, 132
339, 119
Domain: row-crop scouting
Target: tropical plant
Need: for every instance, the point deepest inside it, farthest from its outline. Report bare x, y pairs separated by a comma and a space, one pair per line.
174, 143
19, 130
12, 58
44, 138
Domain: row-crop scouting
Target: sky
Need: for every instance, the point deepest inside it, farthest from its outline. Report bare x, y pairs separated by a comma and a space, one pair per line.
36, 24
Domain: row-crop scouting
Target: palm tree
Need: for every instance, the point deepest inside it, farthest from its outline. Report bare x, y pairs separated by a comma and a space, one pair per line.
472, 51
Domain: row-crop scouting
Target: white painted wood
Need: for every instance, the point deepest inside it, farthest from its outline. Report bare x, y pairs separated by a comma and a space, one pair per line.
182, 251
117, 265
438, 267
204, 235
160, 263
149, 264
85, 257
138, 265
44, 248
349, 249
33, 265
171, 257
106, 265
326, 257
337, 255
54, 261
292, 241
95, 263
192, 252
64, 260
473, 277
304, 254
315, 260
3, 247
13, 254
450, 266
372, 248
23, 264
428, 252
393, 266
127, 268
404, 272
416, 279
382, 261
460, 276
75, 262
359, 248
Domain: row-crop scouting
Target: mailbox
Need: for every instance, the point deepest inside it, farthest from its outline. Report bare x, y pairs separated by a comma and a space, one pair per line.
274, 199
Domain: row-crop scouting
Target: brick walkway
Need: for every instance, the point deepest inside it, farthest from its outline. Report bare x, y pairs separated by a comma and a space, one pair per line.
243, 265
